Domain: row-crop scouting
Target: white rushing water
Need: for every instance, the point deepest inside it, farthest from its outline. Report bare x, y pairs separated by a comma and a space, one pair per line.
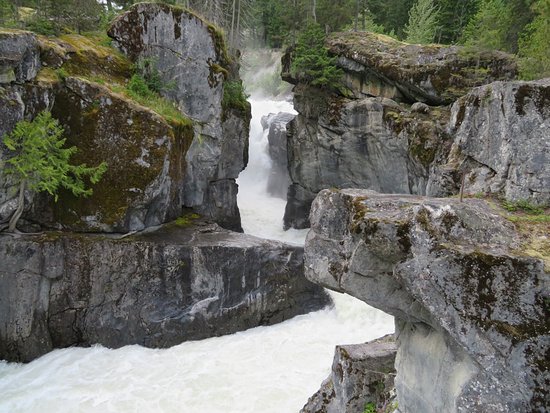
262, 370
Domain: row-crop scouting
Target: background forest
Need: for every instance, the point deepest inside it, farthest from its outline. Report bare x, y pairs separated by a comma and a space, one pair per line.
515, 26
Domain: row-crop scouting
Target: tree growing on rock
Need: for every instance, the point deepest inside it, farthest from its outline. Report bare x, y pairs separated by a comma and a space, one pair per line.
39, 162
311, 61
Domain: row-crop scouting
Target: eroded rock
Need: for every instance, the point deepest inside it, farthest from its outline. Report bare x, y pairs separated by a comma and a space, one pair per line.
19, 56
501, 143
180, 282
362, 375
367, 143
470, 303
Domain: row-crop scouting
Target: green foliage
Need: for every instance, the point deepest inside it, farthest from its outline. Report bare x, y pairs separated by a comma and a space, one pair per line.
534, 44
311, 62
453, 18
234, 96
370, 408
522, 205
41, 161
422, 24
489, 28
146, 69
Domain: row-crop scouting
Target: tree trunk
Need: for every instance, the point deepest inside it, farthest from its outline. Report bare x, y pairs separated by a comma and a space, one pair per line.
355, 23
20, 206
314, 11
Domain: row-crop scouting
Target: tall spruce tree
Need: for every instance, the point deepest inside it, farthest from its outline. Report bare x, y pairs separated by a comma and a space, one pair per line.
534, 44
489, 28
422, 25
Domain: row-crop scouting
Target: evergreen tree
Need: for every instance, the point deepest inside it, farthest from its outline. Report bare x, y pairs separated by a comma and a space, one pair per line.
534, 44
453, 18
41, 163
311, 62
422, 24
489, 28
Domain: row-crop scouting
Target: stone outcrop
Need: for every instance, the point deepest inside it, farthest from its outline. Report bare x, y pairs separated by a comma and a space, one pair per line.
19, 56
276, 124
378, 65
367, 143
180, 282
362, 376
192, 59
501, 143
158, 162
471, 303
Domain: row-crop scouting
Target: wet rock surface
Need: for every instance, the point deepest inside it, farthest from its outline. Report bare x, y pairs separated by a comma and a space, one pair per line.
276, 124
470, 303
179, 282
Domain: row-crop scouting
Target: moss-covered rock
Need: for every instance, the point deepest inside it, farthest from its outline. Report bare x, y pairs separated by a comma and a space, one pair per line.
378, 65
469, 297
19, 56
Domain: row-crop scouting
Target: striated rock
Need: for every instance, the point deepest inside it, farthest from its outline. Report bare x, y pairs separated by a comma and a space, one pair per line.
501, 143
368, 143
378, 65
471, 304
362, 375
278, 180
19, 56
180, 282
192, 58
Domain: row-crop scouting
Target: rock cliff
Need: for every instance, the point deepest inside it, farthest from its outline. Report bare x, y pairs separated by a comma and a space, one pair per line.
159, 159
501, 143
184, 281
378, 132
469, 295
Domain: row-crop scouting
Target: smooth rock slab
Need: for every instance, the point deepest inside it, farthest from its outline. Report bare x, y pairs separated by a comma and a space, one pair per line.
471, 305
157, 289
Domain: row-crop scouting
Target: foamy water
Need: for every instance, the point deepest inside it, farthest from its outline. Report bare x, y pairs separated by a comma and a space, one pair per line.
262, 370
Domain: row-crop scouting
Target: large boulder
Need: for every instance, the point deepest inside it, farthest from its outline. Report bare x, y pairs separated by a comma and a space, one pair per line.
470, 300
185, 281
19, 56
367, 143
192, 58
501, 143
378, 65
362, 377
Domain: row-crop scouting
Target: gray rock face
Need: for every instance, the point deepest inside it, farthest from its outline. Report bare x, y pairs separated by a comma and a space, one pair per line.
19, 56
470, 304
368, 143
157, 289
501, 143
278, 181
190, 55
362, 375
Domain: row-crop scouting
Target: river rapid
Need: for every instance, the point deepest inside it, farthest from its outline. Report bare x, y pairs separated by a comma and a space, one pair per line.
262, 370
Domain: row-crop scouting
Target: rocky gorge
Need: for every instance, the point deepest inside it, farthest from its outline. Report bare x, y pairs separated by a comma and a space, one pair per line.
467, 282
151, 258
110, 268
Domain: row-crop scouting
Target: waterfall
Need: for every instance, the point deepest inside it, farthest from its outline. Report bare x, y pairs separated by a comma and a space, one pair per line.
265, 369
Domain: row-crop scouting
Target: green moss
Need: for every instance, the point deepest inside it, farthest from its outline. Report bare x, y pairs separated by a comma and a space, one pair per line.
235, 98
186, 220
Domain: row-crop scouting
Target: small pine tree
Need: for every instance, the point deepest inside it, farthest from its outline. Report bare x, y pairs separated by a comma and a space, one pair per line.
534, 44
422, 25
312, 63
41, 163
